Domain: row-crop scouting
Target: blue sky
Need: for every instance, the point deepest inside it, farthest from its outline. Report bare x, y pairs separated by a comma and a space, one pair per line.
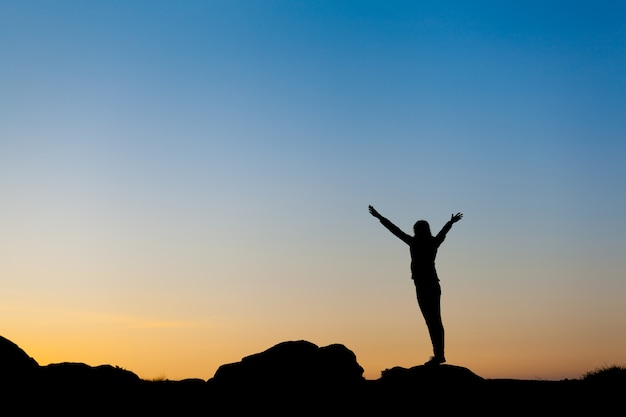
212, 162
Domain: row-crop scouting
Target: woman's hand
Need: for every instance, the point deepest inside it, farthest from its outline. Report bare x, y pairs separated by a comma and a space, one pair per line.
456, 217
374, 213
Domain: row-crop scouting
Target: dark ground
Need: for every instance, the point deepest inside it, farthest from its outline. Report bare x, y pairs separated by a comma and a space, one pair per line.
294, 378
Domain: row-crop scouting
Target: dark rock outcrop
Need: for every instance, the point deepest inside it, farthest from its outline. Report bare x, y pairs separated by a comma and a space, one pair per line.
292, 365
290, 378
14, 362
430, 376
80, 375
441, 388
73, 387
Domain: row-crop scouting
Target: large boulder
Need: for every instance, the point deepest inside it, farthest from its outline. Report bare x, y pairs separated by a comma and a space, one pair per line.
292, 365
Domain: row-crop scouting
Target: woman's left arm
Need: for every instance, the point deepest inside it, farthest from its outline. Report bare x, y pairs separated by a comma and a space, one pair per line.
446, 227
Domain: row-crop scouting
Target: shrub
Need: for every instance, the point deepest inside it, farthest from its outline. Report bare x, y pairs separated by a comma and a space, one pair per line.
607, 374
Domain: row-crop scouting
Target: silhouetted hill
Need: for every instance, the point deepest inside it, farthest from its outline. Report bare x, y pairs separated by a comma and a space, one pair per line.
294, 378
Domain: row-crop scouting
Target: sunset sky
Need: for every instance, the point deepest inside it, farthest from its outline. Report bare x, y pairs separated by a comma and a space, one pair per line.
185, 183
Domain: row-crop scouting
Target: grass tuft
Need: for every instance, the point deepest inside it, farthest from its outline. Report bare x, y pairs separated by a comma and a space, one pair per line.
607, 374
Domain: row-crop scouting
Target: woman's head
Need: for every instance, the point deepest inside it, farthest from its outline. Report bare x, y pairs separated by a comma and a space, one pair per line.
421, 228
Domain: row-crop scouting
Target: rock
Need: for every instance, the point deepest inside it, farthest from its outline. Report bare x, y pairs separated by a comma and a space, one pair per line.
293, 377
430, 376
79, 389
445, 388
80, 375
14, 362
292, 365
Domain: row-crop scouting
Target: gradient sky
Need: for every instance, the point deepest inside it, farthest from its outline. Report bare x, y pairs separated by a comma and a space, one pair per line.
185, 183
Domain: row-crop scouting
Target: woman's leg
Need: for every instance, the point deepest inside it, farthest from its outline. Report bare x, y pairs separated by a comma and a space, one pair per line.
429, 300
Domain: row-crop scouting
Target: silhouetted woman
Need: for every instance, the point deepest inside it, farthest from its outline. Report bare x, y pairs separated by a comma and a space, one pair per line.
423, 246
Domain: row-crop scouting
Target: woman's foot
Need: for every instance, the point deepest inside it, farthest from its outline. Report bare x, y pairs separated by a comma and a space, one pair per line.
436, 360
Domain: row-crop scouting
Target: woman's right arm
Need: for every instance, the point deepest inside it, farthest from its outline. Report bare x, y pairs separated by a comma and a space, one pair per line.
390, 226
